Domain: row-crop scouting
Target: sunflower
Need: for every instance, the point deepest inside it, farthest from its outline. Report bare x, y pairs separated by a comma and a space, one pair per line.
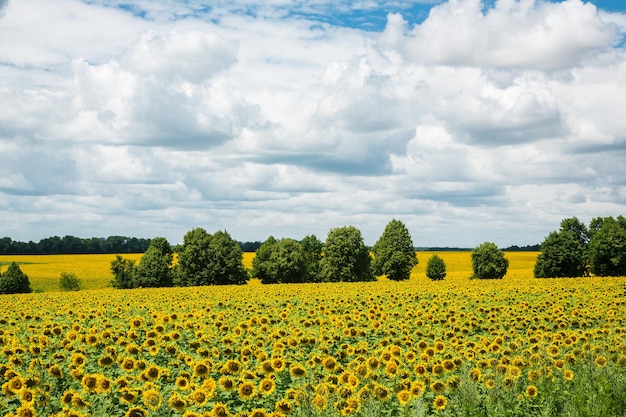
127, 364
404, 397
55, 371
66, 398
278, 364
136, 412
552, 350
381, 392
182, 383
531, 391
417, 389
568, 374
267, 367
601, 361
151, 399
246, 390
259, 412
440, 402
284, 406
319, 402
151, 373
78, 401
200, 370
16, 384
227, 383
105, 361
177, 403
25, 411
198, 397
391, 369
267, 386
232, 367
90, 382
128, 396
330, 364
438, 387
27, 396
297, 371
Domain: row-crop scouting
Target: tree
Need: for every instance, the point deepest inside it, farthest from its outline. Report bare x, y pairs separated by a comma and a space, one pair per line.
312, 248
155, 266
261, 262
577, 229
206, 259
280, 262
193, 259
562, 255
607, 249
345, 256
69, 282
394, 254
14, 281
123, 271
488, 262
436, 268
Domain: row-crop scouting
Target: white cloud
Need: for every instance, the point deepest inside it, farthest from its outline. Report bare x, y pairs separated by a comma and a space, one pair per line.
465, 125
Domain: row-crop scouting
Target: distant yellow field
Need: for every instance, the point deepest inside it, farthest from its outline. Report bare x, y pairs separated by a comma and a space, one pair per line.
94, 270
44, 271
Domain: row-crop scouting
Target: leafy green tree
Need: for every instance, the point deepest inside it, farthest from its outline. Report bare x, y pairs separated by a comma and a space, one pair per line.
261, 261
155, 266
394, 254
123, 270
577, 229
14, 281
207, 259
607, 249
281, 261
436, 268
345, 256
194, 258
69, 282
488, 262
562, 255
312, 248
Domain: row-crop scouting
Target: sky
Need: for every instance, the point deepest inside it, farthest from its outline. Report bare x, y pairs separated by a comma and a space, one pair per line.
468, 120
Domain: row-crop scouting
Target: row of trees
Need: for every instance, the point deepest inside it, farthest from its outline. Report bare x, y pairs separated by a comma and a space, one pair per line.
73, 244
576, 250
216, 259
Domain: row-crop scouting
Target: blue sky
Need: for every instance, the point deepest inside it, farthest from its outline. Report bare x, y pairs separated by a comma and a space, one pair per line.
467, 120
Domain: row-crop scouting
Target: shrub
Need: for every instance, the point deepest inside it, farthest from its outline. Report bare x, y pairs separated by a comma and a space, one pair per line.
488, 262
14, 281
69, 282
436, 268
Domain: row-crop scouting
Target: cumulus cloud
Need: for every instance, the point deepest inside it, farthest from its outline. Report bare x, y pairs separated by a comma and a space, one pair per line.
523, 34
464, 124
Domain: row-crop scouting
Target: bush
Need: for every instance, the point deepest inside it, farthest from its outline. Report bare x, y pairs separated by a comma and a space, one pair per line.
14, 281
562, 255
607, 249
436, 268
488, 262
69, 282
123, 270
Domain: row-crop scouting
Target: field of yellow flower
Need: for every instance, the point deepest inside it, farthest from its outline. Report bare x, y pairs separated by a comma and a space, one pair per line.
512, 347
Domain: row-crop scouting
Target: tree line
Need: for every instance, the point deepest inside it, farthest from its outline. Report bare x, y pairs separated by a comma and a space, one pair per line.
56, 245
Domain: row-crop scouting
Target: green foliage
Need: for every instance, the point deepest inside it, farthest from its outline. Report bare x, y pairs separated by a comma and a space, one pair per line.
280, 262
436, 268
261, 264
69, 282
607, 249
562, 255
155, 266
488, 262
394, 254
123, 270
345, 256
207, 259
14, 281
312, 248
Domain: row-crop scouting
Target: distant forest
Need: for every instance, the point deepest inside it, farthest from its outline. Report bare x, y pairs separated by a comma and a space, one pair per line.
122, 244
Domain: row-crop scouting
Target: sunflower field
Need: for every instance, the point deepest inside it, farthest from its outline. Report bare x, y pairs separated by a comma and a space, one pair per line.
458, 347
